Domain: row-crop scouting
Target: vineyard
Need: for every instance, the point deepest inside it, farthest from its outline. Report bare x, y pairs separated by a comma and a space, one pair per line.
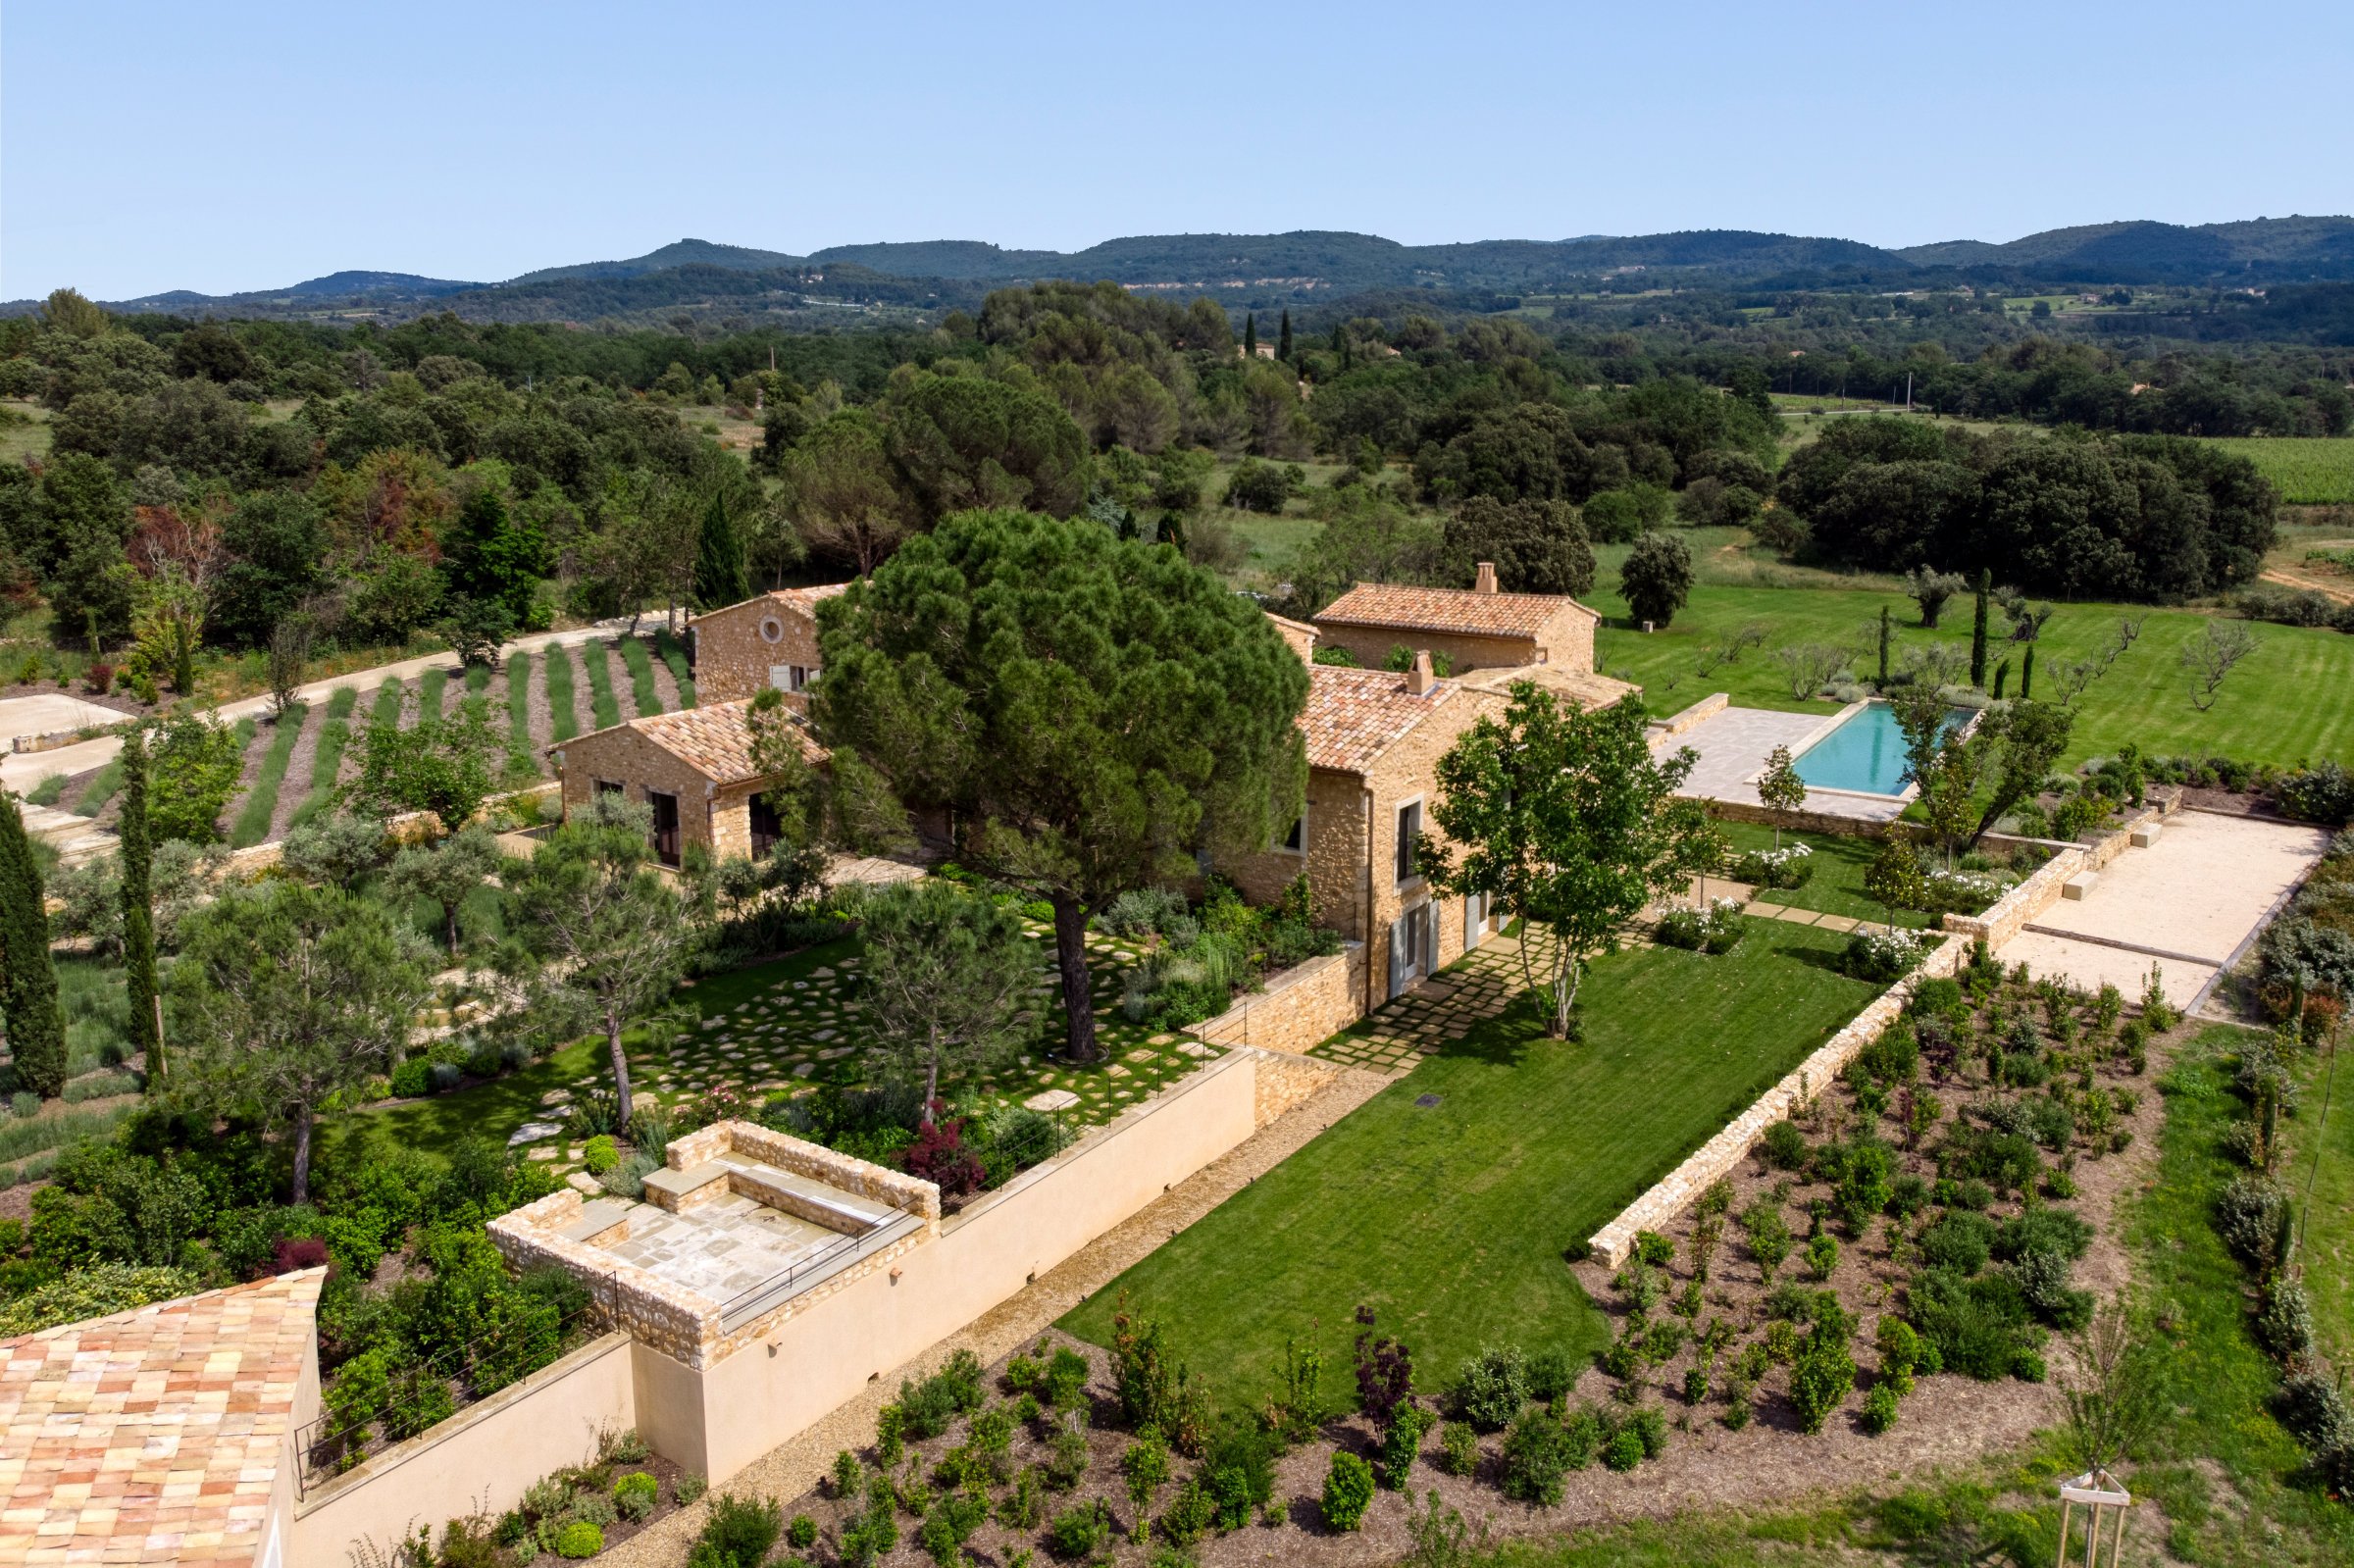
2307, 470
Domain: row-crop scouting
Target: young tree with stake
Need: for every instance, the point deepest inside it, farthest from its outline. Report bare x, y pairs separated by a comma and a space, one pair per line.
1779, 787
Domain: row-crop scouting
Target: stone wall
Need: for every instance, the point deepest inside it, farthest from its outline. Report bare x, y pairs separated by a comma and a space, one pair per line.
752, 1141
1718, 1157
1301, 1007
1692, 718
2008, 915
736, 657
1822, 821
1282, 1082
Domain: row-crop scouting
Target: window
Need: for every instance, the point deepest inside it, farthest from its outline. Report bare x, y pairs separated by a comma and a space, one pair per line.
606, 786
801, 675
772, 630
1410, 827
1297, 840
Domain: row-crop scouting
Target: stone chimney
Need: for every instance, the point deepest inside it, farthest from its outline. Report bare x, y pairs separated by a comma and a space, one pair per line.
1487, 579
1420, 679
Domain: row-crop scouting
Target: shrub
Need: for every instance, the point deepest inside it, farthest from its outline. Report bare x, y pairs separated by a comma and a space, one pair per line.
1065, 1380
2322, 794
1458, 1448
1624, 1451
1080, 1532
599, 1154
1785, 1147
1880, 1408
1189, 1515
1347, 1490
1820, 1378
1538, 1451
1022, 1507
1822, 1255
1716, 930
737, 1532
1789, 867
413, 1078
633, 1495
1977, 1327
1654, 1248
1401, 1442
1550, 1373
2314, 1413
579, 1538
2251, 1214
2043, 1283
1960, 1241
1767, 1232
1651, 1430
2285, 1323
1239, 1465
1492, 1388
801, 1533
1881, 956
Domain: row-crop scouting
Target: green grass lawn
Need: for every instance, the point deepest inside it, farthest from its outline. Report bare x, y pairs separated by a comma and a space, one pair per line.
1837, 885
597, 659
2268, 710
2328, 1248
2307, 470
565, 720
1453, 1220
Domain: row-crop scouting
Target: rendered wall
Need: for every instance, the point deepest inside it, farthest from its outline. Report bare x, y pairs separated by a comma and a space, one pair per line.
481, 1458
780, 1383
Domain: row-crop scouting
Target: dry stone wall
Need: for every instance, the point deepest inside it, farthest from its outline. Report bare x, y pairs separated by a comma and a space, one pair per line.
1301, 1007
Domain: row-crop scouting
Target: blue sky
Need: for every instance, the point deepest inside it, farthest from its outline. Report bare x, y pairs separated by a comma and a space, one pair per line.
227, 146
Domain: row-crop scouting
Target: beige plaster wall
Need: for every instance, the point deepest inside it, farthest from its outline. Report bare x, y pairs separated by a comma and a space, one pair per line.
778, 1385
483, 1457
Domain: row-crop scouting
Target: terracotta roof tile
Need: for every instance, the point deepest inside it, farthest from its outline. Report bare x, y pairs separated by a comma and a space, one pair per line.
715, 740
154, 1435
802, 599
1353, 716
1587, 689
1458, 611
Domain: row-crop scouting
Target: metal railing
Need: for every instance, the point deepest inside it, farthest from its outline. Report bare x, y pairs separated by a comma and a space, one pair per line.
786, 1283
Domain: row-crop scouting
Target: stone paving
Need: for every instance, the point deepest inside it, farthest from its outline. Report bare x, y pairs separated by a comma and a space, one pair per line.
722, 1248
1732, 744
805, 1028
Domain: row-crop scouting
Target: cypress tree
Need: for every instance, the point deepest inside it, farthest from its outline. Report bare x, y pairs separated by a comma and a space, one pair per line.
720, 577
138, 907
2002, 675
1251, 335
1977, 632
1283, 337
1883, 647
36, 1029
2027, 675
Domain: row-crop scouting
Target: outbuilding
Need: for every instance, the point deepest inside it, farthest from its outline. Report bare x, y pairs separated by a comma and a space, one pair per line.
693, 768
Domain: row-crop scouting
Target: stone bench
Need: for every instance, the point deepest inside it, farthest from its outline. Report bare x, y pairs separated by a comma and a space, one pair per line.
811, 1200
671, 1190
596, 1220
2145, 836
2079, 886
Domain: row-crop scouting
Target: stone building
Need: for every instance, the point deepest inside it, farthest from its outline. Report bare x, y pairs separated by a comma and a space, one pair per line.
693, 767
770, 640
1472, 629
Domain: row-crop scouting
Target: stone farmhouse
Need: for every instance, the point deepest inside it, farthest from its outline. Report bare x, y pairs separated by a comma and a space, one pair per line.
1472, 629
693, 767
770, 640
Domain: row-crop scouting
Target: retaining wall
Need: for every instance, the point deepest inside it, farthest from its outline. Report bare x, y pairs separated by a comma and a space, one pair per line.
1692, 718
1822, 821
1302, 1007
1718, 1157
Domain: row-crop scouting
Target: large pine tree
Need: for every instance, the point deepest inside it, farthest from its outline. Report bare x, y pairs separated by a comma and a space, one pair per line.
36, 1029
138, 906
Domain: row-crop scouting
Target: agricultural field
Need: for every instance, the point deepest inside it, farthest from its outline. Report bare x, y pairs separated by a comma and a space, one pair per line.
2307, 470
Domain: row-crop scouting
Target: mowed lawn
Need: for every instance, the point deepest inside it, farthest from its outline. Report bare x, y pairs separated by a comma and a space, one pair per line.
2284, 704
2328, 1249
1837, 885
1453, 1220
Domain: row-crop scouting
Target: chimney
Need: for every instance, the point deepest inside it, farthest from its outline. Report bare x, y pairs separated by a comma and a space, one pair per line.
1419, 679
1487, 577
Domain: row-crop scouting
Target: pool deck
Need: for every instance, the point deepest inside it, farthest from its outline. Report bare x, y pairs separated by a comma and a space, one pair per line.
1732, 744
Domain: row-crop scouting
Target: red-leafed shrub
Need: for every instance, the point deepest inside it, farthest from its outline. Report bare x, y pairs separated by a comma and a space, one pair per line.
297, 1252
938, 1156
101, 675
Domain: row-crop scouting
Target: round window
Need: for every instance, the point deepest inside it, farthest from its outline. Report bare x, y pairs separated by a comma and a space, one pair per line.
772, 630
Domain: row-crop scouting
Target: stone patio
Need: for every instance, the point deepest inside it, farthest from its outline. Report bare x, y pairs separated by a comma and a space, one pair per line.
722, 1248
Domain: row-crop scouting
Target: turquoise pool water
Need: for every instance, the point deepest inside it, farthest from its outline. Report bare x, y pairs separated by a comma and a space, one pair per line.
1864, 754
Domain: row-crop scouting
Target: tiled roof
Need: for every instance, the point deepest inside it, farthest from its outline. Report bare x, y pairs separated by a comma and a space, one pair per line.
155, 1435
1353, 716
715, 740
1585, 688
801, 599
1454, 610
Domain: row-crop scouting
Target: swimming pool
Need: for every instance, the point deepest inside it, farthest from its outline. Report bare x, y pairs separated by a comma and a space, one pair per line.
1864, 753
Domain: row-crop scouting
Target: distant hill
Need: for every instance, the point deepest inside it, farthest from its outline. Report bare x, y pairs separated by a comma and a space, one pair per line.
1261, 272
2261, 250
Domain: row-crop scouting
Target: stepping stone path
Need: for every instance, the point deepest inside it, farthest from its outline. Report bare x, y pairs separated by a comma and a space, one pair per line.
534, 1133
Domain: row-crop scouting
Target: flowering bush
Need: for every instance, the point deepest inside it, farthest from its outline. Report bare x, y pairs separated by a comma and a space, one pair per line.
1713, 931
1963, 891
1790, 866
1882, 955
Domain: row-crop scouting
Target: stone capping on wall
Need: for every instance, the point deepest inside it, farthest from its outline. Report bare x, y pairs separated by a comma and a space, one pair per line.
909, 1193
1822, 821
1707, 708
1721, 1154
